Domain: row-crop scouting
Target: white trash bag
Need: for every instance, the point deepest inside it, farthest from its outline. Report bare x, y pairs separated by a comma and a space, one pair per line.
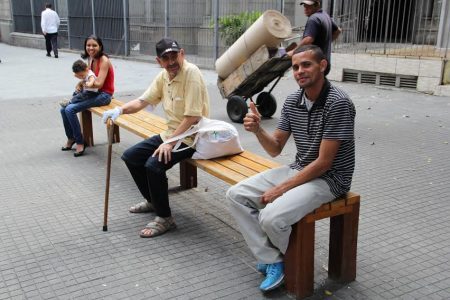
214, 138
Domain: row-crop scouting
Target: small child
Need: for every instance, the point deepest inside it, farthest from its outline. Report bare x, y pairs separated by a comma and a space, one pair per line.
81, 71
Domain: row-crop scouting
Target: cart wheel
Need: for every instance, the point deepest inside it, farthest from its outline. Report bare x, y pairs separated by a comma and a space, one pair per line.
266, 104
237, 109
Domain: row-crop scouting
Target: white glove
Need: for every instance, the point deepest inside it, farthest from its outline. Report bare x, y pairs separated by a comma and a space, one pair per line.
112, 113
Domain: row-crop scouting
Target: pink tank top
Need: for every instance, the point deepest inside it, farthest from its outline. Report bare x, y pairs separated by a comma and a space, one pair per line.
108, 85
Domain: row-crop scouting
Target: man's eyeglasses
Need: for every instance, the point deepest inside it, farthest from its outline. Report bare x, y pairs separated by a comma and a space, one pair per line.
171, 56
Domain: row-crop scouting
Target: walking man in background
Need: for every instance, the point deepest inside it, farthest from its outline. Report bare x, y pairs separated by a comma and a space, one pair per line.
320, 29
49, 25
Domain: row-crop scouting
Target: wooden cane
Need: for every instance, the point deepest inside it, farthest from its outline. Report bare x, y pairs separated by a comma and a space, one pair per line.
110, 130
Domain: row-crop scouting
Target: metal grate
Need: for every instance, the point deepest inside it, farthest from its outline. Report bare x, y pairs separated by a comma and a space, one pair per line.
386, 79
368, 78
409, 82
350, 76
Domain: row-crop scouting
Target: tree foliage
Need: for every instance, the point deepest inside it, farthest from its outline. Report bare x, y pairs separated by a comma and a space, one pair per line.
231, 27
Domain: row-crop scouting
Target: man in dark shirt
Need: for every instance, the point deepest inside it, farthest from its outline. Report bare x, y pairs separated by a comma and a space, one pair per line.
320, 29
320, 117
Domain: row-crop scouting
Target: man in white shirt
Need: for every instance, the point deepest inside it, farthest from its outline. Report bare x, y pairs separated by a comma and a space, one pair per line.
49, 25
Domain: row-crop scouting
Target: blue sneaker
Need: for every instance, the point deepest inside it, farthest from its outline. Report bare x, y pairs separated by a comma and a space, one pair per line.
274, 277
262, 268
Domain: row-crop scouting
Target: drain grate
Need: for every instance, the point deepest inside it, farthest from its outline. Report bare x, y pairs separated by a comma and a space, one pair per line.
387, 79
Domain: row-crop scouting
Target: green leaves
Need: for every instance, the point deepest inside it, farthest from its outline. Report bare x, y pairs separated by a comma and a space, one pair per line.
233, 26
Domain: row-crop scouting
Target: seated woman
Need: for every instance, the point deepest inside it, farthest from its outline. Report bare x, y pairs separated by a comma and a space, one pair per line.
100, 64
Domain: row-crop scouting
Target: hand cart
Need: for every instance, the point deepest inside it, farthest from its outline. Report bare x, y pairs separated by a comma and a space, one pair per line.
251, 78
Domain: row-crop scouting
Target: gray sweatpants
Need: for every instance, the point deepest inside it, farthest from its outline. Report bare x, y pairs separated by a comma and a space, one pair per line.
266, 228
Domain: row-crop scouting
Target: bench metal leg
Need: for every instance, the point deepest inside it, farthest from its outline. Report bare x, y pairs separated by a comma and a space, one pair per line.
188, 175
86, 127
299, 260
343, 242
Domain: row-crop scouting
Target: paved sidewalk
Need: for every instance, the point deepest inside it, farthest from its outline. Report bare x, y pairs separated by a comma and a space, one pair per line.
51, 204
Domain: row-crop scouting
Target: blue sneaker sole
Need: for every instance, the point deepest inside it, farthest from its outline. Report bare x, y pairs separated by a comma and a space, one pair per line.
274, 285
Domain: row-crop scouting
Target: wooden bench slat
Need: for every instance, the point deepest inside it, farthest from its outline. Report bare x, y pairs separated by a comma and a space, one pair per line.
153, 119
218, 170
101, 109
232, 165
261, 160
154, 129
130, 126
255, 166
144, 116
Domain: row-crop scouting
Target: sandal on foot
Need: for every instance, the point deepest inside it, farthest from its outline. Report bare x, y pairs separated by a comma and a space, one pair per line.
157, 227
142, 207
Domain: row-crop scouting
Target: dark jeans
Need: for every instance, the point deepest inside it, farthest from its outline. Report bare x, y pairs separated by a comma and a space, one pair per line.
83, 96
51, 42
150, 174
70, 119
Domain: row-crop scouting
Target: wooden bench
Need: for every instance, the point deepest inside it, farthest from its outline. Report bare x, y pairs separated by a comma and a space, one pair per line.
299, 258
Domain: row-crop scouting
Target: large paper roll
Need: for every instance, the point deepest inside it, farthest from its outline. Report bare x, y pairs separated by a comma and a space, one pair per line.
270, 29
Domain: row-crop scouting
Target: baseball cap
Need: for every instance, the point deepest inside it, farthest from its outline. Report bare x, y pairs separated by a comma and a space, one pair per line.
167, 45
310, 2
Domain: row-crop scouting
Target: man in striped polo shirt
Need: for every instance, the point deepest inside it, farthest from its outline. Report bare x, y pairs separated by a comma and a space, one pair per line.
321, 119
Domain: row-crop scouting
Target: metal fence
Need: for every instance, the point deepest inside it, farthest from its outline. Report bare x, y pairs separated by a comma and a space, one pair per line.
27, 15
191, 23
393, 27
133, 27
389, 27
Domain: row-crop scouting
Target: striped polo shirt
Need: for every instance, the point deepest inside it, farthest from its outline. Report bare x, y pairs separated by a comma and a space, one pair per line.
331, 117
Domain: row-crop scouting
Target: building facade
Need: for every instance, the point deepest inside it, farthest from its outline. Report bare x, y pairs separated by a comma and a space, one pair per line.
402, 43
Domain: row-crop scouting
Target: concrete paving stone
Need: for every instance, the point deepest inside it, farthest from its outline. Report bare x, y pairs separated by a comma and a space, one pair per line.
196, 294
21, 297
29, 288
61, 292
445, 293
387, 294
407, 297
117, 294
13, 287
49, 295
4, 295
182, 297
16, 293
435, 296
32, 294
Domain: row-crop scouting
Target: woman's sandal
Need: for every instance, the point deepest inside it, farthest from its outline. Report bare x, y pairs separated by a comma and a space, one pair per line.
80, 153
142, 207
157, 227
65, 148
